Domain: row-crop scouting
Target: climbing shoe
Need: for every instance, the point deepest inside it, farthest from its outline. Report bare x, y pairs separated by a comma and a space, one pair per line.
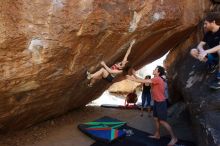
88, 75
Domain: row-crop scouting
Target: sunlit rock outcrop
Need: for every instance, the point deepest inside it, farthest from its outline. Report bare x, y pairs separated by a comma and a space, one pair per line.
125, 86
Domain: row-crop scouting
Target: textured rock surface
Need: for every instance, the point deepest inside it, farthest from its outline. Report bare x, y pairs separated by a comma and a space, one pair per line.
46, 47
189, 81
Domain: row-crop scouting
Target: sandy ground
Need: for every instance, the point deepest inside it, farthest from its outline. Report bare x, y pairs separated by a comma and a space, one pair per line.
63, 131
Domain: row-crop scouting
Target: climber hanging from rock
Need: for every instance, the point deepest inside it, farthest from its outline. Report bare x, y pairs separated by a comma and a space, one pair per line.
212, 40
109, 73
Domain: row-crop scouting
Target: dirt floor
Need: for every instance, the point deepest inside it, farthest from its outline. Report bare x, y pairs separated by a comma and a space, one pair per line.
63, 130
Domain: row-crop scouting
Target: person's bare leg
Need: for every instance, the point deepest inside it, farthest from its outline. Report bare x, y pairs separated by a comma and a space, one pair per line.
98, 74
169, 129
142, 111
157, 132
102, 73
149, 111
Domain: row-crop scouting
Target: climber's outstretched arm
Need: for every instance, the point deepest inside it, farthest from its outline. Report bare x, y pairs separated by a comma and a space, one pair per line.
138, 80
128, 52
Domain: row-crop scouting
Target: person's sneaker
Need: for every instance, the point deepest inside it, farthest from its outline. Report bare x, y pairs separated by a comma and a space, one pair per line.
215, 85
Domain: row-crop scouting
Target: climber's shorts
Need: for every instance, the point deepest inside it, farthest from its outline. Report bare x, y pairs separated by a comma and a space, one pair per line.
109, 78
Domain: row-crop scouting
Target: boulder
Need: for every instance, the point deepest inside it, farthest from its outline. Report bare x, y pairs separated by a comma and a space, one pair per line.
47, 46
189, 81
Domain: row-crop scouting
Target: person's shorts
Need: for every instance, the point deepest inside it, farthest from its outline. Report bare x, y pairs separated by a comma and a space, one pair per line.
160, 110
109, 78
